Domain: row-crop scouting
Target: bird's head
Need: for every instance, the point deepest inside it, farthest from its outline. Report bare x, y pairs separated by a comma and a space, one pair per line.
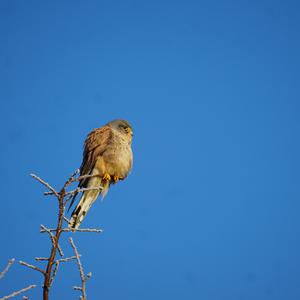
122, 126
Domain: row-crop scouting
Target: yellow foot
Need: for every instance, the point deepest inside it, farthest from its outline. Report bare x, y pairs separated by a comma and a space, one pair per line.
106, 177
116, 178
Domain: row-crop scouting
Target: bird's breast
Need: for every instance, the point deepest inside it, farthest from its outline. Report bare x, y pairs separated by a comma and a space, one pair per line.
118, 158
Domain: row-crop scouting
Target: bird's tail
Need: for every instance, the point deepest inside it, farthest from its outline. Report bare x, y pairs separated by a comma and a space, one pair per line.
86, 201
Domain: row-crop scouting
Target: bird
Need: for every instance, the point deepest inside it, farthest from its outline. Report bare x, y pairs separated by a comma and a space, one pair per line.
108, 158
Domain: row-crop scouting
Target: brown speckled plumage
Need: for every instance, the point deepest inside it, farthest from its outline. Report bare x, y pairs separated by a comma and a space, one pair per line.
107, 151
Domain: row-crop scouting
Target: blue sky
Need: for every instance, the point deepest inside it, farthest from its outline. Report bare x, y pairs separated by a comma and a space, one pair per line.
211, 88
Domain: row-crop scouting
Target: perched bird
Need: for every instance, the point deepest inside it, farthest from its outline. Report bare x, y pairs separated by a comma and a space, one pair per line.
108, 155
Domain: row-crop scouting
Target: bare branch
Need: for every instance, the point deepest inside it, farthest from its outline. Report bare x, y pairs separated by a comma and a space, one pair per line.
11, 261
83, 230
52, 237
68, 199
19, 292
74, 230
42, 258
67, 259
54, 273
79, 190
78, 259
60, 250
84, 177
48, 193
63, 196
57, 263
66, 219
58, 260
23, 263
45, 184
76, 172
55, 245
80, 267
71, 178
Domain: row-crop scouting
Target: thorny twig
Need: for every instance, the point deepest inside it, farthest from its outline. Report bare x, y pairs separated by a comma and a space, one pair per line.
54, 273
52, 237
67, 259
57, 263
78, 259
11, 261
46, 184
81, 272
79, 190
19, 292
79, 178
58, 260
16, 293
63, 196
48, 278
67, 220
23, 263
68, 199
74, 230
71, 180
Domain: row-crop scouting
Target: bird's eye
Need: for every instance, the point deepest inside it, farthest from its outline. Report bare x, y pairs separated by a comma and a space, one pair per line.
126, 129
129, 131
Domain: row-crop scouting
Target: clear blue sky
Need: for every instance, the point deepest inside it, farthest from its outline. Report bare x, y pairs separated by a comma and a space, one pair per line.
211, 209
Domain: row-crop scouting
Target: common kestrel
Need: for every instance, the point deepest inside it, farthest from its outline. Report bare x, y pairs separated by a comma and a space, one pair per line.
107, 153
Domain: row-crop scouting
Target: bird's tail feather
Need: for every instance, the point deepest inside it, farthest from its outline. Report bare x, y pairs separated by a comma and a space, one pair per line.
86, 201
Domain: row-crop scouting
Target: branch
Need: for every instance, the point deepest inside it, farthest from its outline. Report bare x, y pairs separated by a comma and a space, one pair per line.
66, 220
81, 272
42, 258
74, 230
47, 185
19, 292
84, 177
52, 237
23, 263
67, 258
11, 261
54, 273
63, 196
57, 263
55, 246
78, 190
71, 179
68, 199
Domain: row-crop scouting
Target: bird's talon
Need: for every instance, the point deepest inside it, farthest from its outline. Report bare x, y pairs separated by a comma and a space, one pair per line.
116, 178
106, 177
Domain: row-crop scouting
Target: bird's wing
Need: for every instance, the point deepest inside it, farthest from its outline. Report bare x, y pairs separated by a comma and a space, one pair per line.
94, 146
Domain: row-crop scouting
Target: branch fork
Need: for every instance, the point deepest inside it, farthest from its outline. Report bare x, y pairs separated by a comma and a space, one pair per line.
53, 263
